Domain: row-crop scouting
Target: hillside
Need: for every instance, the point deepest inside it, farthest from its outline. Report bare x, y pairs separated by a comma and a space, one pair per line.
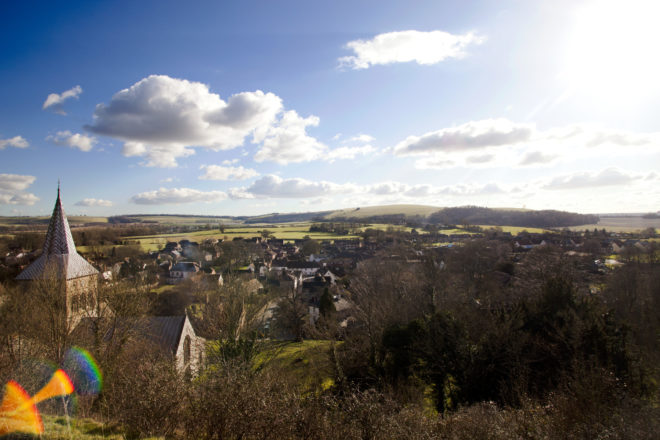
375, 211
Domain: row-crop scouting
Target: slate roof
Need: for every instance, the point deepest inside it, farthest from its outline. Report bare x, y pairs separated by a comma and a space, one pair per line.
163, 331
185, 266
59, 253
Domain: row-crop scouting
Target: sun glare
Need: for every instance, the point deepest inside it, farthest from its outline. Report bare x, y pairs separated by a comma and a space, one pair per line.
612, 49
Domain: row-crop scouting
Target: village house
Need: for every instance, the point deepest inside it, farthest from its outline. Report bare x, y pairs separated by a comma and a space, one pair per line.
182, 271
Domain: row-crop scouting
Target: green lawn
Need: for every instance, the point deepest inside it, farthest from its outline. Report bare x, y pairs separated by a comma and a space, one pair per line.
308, 361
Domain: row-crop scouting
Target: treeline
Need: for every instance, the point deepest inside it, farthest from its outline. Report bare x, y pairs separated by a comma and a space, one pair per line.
339, 228
391, 219
475, 215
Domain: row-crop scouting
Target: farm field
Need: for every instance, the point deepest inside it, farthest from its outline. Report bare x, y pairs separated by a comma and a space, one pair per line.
515, 230
621, 224
154, 242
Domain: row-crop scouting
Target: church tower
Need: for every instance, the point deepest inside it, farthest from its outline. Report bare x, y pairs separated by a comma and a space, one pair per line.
60, 261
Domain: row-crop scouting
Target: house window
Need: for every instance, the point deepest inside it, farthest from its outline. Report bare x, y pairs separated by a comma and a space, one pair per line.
186, 350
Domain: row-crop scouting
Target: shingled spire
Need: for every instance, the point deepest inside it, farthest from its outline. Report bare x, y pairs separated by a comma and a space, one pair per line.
59, 252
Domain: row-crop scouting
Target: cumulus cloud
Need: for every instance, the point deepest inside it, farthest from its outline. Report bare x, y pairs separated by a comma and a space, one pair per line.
165, 196
404, 46
608, 177
16, 142
12, 189
387, 188
482, 158
365, 138
73, 140
349, 152
162, 118
272, 186
15, 182
289, 142
217, 172
54, 101
501, 142
469, 136
94, 203
275, 187
434, 163
537, 157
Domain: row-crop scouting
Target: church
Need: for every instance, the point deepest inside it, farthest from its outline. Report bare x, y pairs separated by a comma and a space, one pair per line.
59, 260
78, 283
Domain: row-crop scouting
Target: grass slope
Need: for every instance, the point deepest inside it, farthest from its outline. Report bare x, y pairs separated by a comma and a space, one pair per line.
370, 211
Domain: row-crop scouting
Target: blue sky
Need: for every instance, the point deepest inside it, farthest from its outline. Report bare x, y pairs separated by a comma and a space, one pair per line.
242, 108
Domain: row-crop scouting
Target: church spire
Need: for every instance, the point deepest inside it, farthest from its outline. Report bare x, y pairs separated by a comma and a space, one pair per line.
59, 240
59, 249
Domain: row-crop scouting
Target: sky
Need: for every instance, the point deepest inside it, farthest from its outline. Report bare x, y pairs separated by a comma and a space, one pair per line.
253, 107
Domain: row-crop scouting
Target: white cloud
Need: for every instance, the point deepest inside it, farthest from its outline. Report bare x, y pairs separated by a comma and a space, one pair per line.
537, 157
473, 190
349, 152
288, 141
55, 101
240, 193
387, 188
12, 190
404, 46
163, 119
319, 201
74, 140
501, 142
157, 155
276, 187
434, 163
271, 186
228, 162
216, 172
165, 196
94, 202
608, 177
364, 138
482, 158
469, 136
16, 141
15, 182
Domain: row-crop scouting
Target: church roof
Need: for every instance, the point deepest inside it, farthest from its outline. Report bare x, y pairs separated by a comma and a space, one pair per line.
59, 255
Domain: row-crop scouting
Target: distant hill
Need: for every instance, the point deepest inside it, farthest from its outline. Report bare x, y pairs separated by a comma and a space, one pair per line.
474, 215
504, 217
384, 210
389, 214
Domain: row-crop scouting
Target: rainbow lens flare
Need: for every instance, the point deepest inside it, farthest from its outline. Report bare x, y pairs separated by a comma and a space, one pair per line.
59, 385
18, 412
83, 370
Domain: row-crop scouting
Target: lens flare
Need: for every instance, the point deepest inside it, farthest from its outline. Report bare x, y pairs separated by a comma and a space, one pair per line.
18, 412
59, 385
83, 370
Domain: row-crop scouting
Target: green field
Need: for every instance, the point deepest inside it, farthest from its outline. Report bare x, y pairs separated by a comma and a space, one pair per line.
281, 232
515, 230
